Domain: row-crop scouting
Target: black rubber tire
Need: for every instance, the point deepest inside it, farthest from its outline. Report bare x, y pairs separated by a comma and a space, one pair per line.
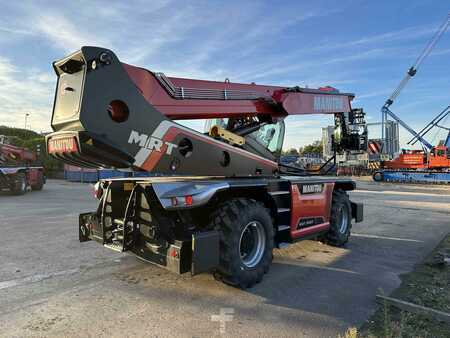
337, 236
377, 176
230, 219
19, 186
39, 185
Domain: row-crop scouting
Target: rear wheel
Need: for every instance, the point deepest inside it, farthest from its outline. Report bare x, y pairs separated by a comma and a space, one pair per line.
246, 241
340, 219
19, 186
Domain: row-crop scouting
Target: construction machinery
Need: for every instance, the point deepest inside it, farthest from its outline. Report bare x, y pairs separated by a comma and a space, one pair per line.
19, 170
217, 201
349, 159
432, 162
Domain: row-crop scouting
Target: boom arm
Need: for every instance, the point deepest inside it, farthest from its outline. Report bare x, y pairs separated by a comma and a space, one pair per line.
10, 155
110, 114
433, 123
179, 98
409, 74
408, 128
413, 69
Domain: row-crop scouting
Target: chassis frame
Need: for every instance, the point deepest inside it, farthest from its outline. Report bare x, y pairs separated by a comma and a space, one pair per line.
162, 219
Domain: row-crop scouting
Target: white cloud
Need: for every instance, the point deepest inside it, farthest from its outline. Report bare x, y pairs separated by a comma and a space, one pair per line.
378, 93
397, 36
64, 33
24, 92
211, 41
14, 30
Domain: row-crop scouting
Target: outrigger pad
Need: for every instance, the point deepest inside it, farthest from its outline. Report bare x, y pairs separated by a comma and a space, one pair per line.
357, 211
205, 251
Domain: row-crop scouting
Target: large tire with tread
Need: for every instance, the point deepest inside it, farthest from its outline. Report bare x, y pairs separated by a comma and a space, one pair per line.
340, 219
246, 241
19, 186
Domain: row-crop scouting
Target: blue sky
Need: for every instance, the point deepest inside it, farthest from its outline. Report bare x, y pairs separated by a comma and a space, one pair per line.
363, 47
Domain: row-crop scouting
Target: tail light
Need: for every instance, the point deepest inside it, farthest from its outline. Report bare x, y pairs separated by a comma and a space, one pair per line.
182, 201
188, 200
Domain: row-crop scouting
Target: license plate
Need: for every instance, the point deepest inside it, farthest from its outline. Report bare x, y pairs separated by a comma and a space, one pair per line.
62, 145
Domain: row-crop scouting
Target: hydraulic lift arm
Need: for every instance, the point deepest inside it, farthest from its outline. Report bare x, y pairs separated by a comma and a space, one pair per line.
110, 114
410, 74
10, 154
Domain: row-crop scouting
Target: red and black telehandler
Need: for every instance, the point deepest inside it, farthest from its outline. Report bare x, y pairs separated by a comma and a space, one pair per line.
19, 170
215, 201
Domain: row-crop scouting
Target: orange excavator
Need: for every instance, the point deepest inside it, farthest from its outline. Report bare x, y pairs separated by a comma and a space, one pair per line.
436, 159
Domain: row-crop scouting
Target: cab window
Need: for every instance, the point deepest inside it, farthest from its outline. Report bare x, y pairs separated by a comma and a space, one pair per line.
270, 136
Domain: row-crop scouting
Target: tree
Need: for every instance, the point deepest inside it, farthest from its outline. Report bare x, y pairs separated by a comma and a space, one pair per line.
23, 134
291, 151
313, 148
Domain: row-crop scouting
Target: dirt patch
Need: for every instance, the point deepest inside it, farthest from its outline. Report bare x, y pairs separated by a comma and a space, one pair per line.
43, 324
428, 285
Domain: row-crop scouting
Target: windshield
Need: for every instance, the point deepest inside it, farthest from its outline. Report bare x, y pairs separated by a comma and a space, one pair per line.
270, 136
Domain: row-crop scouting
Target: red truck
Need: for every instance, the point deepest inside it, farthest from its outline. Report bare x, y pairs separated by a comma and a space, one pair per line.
18, 170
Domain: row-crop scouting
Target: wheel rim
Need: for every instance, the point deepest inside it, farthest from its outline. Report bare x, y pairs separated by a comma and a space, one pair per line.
252, 244
343, 219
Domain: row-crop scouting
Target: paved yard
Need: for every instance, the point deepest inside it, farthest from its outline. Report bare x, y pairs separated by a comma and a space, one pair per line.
52, 285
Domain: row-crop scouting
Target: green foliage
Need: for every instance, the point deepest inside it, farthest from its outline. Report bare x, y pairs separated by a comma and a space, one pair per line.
23, 134
314, 148
291, 151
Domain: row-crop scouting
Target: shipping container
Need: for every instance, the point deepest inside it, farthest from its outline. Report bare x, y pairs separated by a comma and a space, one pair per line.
85, 175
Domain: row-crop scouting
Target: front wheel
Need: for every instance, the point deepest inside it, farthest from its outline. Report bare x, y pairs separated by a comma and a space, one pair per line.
246, 241
340, 219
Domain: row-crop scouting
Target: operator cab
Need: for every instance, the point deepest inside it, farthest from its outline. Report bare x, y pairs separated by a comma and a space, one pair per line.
264, 139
